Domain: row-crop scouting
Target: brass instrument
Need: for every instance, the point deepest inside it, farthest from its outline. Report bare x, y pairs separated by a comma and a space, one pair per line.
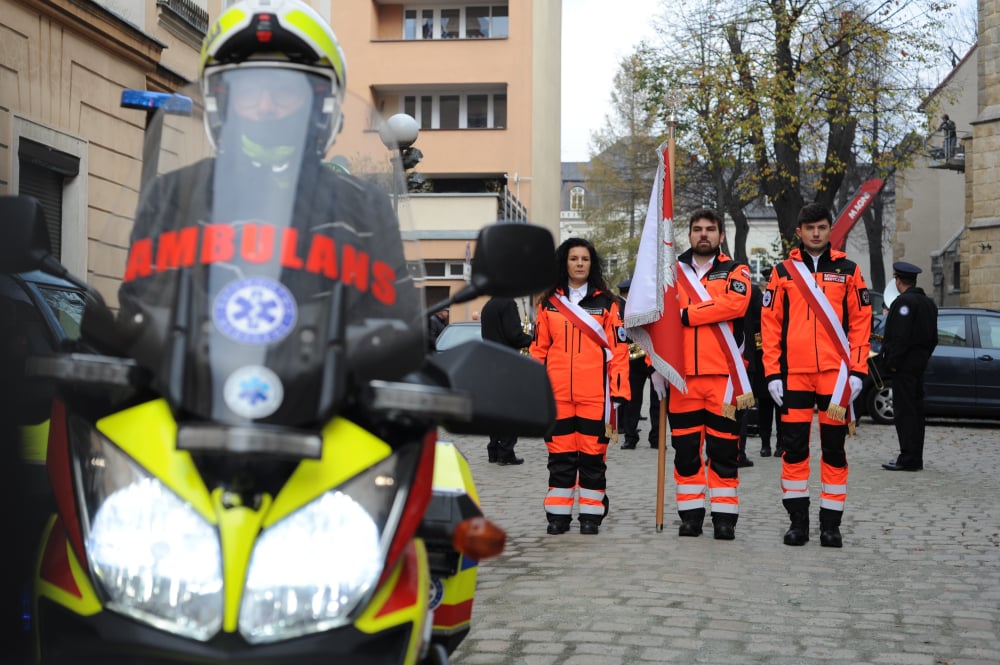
874, 372
529, 329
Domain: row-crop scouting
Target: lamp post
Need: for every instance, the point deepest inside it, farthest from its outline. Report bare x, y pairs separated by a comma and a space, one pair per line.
399, 133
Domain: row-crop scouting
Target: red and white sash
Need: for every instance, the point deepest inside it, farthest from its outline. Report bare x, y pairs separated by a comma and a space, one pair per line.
743, 399
593, 331
840, 408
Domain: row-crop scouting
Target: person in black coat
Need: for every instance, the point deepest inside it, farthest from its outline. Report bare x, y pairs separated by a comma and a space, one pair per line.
638, 372
502, 324
909, 339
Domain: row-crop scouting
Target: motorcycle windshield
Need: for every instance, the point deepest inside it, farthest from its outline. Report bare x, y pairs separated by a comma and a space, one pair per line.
262, 260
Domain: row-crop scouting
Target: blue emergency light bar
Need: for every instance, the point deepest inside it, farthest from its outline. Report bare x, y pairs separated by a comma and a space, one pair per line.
150, 101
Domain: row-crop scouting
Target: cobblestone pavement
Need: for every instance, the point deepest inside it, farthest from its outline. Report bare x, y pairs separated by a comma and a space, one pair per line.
916, 583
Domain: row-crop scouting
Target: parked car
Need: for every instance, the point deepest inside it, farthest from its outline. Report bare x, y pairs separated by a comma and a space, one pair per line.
458, 333
963, 376
39, 314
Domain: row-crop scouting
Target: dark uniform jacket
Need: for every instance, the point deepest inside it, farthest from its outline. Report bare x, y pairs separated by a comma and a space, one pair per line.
502, 324
910, 333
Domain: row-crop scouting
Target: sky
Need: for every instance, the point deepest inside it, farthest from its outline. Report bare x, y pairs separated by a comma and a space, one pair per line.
594, 40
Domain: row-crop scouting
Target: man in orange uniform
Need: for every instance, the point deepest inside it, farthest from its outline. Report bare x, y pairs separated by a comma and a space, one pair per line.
714, 292
815, 324
580, 338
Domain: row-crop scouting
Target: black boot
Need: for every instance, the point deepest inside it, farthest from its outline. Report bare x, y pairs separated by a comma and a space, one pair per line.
724, 525
829, 528
691, 521
557, 525
798, 532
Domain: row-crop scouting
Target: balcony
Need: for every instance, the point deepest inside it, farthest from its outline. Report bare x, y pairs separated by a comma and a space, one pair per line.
943, 156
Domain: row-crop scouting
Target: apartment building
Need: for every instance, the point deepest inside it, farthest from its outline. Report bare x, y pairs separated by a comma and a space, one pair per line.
63, 136
483, 82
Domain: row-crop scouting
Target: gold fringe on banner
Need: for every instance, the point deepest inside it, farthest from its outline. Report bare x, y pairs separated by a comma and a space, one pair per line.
837, 412
851, 429
729, 411
745, 401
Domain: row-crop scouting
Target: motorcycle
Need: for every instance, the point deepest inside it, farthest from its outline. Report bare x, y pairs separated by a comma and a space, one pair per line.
244, 458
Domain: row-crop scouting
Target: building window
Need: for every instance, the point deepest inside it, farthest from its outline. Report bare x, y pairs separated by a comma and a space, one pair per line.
458, 111
444, 269
44, 171
576, 199
476, 22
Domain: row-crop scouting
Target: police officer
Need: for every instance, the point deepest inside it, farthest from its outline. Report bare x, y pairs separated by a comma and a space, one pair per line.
910, 338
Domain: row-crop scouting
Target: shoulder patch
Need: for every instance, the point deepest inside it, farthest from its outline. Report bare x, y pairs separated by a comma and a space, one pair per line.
904, 310
865, 297
766, 301
738, 286
744, 271
622, 337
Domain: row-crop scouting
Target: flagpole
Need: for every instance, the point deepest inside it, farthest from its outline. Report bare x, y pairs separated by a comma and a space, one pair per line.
661, 453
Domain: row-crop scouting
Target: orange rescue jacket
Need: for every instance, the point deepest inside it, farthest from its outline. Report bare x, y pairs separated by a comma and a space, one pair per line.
728, 284
575, 363
794, 340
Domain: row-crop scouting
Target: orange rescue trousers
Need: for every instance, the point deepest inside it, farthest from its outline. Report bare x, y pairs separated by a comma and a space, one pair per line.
803, 393
697, 428
578, 448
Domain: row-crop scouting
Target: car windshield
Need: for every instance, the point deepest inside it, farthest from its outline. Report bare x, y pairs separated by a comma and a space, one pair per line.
458, 333
67, 307
253, 258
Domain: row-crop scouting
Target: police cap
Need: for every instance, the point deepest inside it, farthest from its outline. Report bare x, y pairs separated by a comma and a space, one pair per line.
625, 284
906, 270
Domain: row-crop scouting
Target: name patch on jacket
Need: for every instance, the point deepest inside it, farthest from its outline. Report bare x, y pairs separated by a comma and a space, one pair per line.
833, 277
738, 287
596, 311
718, 275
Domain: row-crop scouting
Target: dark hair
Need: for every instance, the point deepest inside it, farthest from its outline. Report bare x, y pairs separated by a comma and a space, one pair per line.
596, 277
707, 213
814, 212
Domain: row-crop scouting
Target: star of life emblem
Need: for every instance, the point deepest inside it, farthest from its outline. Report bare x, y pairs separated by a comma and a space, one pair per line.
255, 310
253, 392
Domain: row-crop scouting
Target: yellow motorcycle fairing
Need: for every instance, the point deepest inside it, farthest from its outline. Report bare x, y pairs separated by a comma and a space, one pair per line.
147, 434
452, 596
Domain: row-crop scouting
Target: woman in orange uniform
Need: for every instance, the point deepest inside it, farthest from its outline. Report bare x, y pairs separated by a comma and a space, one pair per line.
580, 338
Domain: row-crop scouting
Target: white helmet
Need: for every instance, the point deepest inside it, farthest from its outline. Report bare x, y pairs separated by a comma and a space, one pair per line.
282, 34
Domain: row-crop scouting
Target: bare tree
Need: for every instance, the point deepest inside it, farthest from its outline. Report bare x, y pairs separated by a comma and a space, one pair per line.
621, 171
791, 83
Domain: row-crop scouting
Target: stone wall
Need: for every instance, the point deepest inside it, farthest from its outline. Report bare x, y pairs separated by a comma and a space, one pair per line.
981, 241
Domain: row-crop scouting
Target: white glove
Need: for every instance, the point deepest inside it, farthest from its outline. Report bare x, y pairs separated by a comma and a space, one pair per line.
659, 385
856, 384
777, 391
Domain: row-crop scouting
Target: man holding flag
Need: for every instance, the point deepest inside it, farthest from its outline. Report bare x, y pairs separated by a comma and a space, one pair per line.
815, 327
687, 314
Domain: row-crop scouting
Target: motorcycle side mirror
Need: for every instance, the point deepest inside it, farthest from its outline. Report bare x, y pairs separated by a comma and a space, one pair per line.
511, 260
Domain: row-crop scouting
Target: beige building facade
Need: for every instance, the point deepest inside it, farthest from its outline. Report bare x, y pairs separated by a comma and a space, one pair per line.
980, 244
63, 136
931, 193
483, 82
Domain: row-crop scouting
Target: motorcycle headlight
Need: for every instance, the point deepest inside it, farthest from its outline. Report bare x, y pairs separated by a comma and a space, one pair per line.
309, 571
155, 558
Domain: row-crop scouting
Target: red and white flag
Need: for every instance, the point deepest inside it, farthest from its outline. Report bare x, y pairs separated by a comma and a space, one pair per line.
652, 312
